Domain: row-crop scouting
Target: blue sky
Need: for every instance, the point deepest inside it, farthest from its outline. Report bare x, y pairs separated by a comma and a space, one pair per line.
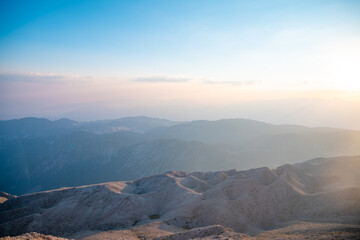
163, 37
196, 46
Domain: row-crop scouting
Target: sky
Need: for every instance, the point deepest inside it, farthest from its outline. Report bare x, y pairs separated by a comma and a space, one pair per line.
188, 59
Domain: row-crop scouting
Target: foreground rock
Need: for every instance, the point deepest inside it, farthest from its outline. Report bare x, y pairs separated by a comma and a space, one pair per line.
156, 231
5, 196
33, 235
250, 202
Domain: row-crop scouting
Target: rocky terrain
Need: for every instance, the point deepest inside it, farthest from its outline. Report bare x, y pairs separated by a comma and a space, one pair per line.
317, 199
33, 235
5, 196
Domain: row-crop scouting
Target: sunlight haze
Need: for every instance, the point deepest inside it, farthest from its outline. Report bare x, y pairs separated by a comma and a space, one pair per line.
68, 58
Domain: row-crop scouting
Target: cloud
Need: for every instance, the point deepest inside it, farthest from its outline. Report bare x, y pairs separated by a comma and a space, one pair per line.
76, 79
166, 79
44, 78
235, 83
159, 79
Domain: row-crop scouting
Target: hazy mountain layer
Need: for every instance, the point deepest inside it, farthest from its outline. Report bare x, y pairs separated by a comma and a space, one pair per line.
32, 127
135, 124
260, 144
251, 202
229, 131
83, 158
53, 154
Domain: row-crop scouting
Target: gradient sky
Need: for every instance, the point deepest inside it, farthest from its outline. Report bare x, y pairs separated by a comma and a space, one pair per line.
132, 54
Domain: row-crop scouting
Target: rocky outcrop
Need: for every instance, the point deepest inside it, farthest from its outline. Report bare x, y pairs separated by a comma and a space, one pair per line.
246, 201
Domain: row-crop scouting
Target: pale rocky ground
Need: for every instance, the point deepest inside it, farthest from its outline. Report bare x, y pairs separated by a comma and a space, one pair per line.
308, 230
157, 231
33, 236
317, 199
5, 196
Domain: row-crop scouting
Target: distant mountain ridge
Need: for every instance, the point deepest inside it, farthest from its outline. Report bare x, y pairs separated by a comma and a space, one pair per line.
138, 124
32, 127
229, 131
41, 154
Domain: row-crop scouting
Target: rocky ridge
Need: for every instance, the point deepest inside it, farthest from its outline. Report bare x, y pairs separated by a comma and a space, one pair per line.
250, 202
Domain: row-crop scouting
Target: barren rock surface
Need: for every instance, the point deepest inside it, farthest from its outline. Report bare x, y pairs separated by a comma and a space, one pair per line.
316, 231
5, 196
33, 235
252, 202
157, 231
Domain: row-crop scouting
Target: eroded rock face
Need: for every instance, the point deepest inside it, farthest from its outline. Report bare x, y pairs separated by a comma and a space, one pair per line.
246, 201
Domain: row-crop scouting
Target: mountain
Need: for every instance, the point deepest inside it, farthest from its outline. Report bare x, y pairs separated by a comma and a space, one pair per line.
229, 131
33, 128
69, 153
319, 196
139, 124
83, 158
258, 144
276, 149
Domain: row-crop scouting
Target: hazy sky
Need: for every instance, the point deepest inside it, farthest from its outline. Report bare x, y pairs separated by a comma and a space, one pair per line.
151, 57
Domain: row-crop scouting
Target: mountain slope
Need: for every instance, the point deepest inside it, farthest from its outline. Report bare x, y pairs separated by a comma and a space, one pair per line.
83, 158
260, 144
228, 131
69, 157
247, 201
139, 124
32, 127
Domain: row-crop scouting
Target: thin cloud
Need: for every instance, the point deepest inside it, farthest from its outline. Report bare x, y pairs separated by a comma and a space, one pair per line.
44, 78
235, 83
160, 79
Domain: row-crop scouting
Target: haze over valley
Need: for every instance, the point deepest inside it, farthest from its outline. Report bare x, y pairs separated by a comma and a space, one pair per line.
39, 154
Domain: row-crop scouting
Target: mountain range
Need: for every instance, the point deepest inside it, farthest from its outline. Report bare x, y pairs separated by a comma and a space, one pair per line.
39, 154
